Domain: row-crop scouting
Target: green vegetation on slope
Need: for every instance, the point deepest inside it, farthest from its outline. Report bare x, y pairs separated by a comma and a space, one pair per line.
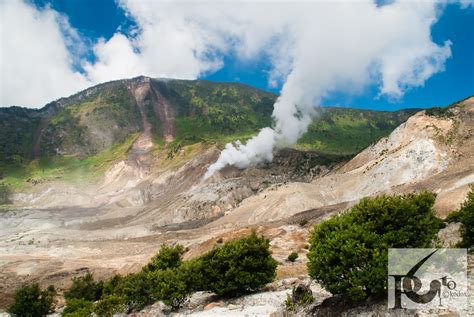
32, 301
465, 215
77, 137
233, 268
217, 111
348, 131
67, 167
225, 112
17, 130
93, 124
349, 253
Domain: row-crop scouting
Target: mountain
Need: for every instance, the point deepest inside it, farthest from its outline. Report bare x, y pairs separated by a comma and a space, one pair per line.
91, 129
107, 203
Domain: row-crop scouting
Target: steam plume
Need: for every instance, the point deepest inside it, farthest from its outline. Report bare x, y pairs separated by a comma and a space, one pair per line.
341, 47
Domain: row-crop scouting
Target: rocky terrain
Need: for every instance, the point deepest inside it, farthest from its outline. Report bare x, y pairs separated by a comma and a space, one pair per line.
153, 192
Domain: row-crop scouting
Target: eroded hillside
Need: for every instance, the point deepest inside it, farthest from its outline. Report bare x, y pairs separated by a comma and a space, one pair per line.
149, 188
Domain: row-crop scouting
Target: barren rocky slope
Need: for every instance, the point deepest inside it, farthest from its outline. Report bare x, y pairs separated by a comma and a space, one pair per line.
56, 229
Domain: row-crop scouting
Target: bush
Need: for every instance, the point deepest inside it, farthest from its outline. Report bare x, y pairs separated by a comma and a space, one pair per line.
109, 305
292, 257
135, 289
300, 296
235, 267
465, 215
348, 253
467, 221
170, 286
167, 258
439, 112
78, 308
85, 288
30, 300
238, 266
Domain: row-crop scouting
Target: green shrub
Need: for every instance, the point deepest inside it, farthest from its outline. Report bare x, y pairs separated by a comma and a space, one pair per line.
454, 216
235, 267
439, 112
238, 266
109, 305
300, 296
78, 308
467, 221
170, 286
30, 300
292, 257
135, 288
84, 287
167, 258
348, 253
465, 215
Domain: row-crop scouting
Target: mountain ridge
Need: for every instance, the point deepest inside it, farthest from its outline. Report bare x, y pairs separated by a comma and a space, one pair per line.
234, 110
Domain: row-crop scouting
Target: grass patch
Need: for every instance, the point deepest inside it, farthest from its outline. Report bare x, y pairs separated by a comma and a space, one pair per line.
71, 169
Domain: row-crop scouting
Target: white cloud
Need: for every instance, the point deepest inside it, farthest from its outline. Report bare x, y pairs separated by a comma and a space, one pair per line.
314, 47
35, 63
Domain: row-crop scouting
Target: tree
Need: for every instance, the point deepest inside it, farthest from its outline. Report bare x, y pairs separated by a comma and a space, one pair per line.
238, 266
84, 287
31, 301
348, 253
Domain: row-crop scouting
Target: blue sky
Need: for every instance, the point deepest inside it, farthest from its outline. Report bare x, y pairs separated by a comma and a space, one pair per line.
94, 20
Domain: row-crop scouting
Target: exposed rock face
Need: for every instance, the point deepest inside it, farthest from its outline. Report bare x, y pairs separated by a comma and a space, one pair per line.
148, 198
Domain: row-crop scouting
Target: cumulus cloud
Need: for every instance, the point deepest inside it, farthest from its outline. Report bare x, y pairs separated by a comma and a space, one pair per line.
35, 62
313, 47
345, 46
340, 44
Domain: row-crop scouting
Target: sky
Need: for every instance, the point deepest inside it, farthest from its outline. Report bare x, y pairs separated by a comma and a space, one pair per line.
359, 54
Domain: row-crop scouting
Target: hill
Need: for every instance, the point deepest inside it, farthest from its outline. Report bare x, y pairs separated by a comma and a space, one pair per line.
148, 185
83, 134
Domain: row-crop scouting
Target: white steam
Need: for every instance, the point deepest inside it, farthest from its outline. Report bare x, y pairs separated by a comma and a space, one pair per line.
341, 46
258, 149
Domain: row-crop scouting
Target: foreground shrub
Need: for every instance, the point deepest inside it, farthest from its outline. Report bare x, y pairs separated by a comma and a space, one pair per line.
78, 308
232, 268
348, 253
30, 300
465, 215
136, 289
167, 258
171, 287
109, 305
238, 266
467, 221
84, 287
